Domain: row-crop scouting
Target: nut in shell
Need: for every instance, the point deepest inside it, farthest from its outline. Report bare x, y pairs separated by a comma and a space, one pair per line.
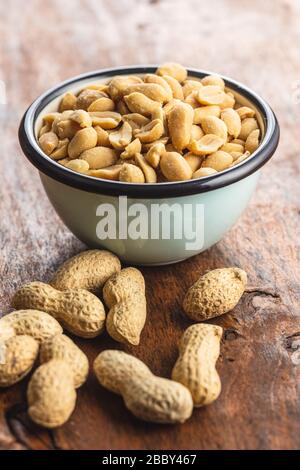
147, 396
51, 394
199, 350
215, 293
78, 310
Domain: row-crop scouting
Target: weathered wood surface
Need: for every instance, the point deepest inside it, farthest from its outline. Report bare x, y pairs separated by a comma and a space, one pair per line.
42, 43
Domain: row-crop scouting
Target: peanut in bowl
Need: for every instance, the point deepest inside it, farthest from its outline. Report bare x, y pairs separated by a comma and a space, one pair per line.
212, 169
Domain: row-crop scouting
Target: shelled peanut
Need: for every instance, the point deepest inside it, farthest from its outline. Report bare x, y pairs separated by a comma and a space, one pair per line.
159, 127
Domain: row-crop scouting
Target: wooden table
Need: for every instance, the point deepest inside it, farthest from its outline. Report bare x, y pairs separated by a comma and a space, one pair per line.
42, 43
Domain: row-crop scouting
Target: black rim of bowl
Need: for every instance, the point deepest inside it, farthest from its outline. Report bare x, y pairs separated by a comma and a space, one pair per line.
64, 175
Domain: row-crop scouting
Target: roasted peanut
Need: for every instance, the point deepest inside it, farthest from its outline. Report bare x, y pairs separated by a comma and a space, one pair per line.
180, 121
79, 311
108, 173
136, 120
204, 111
102, 137
154, 153
236, 155
149, 173
248, 125
81, 166
174, 70
240, 158
99, 157
252, 141
209, 143
189, 86
81, 117
141, 104
131, 174
152, 90
192, 100
61, 150
152, 78
105, 119
118, 85
193, 160
218, 160
45, 128
214, 125
147, 396
150, 132
202, 172
214, 80
66, 128
232, 121
48, 142
196, 134
18, 354
122, 137
87, 97
147, 145
102, 104
124, 295
199, 350
210, 95
229, 101
68, 101
134, 147
175, 86
215, 293
232, 147
245, 112
122, 108
83, 140
174, 167
88, 270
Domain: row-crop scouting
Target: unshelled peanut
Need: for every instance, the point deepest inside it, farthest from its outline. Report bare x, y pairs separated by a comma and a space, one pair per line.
18, 354
88, 270
215, 293
51, 394
78, 310
124, 295
147, 396
199, 350
63, 348
39, 325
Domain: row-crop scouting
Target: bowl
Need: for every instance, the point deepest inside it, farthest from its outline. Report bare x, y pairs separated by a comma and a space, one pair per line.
148, 224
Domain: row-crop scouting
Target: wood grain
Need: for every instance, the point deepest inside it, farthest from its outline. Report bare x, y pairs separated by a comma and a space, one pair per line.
42, 43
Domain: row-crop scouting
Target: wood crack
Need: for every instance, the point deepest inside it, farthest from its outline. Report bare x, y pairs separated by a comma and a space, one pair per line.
260, 291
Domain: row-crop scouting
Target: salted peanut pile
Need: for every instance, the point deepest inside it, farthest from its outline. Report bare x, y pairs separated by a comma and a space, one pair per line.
153, 128
32, 339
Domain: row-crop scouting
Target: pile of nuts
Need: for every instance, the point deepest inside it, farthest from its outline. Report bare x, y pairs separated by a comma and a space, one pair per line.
71, 302
154, 128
